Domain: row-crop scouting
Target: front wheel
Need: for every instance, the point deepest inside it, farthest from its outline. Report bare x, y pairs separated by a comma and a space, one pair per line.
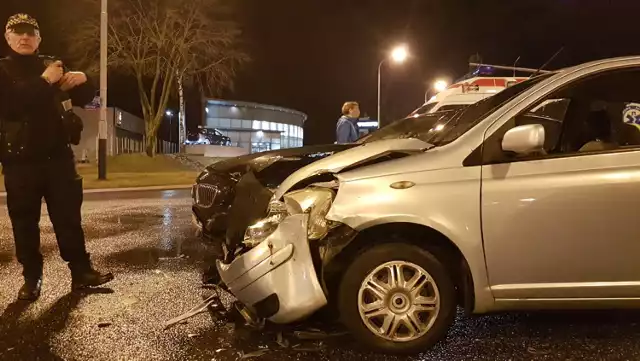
397, 298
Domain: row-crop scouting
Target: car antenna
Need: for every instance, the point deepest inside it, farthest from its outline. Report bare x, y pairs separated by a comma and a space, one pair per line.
514, 66
548, 61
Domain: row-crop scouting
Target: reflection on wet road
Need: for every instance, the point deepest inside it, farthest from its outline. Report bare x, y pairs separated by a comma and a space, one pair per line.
148, 241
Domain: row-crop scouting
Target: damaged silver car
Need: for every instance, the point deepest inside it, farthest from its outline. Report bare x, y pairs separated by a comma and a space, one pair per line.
492, 208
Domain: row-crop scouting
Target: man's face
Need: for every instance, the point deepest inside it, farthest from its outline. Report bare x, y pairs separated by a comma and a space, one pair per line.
354, 112
24, 40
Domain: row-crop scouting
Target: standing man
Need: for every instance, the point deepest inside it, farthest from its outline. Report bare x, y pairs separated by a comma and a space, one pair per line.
36, 129
347, 127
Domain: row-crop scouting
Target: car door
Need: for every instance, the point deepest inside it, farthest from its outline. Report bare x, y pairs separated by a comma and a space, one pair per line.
563, 224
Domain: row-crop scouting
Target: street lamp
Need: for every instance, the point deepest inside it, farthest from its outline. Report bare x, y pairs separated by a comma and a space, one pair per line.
169, 113
102, 124
439, 85
399, 54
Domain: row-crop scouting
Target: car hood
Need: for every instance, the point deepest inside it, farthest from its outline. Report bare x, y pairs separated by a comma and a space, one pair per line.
258, 161
352, 157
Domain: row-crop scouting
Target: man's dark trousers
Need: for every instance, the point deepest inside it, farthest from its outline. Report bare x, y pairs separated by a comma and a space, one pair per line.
58, 183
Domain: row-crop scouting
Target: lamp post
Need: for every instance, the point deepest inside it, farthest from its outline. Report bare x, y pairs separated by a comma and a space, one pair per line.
398, 55
102, 125
169, 113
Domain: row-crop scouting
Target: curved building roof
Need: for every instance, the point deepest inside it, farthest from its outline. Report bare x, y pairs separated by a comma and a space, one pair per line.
236, 103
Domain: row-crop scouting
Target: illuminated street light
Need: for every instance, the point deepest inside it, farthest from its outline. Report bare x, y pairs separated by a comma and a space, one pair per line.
440, 85
169, 113
399, 54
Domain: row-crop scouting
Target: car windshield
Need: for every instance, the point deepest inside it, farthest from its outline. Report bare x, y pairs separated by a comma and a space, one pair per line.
444, 127
410, 127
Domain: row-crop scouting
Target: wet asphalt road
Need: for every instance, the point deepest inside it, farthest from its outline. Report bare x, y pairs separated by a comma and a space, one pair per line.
146, 238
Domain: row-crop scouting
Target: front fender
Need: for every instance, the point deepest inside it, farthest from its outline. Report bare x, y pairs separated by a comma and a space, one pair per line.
446, 200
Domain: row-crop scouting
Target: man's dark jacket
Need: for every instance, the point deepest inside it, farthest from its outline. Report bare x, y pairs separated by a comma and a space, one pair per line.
31, 125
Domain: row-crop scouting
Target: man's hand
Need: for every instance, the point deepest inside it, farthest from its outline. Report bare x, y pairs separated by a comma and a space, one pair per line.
72, 79
53, 73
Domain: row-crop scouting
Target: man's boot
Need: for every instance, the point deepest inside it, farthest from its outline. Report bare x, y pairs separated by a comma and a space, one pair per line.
30, 291
86, 277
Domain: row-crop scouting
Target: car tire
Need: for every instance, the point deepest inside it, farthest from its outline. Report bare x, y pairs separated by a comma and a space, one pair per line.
355, 292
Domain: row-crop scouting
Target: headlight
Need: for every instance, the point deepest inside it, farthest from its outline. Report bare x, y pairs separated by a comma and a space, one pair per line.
262, 229
314, 201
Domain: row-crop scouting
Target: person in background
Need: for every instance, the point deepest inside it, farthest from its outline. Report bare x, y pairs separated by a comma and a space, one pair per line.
347, 127
37, 127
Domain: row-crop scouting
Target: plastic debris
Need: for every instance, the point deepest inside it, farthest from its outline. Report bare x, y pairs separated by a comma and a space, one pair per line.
301, 348
201, 308
315, 334
534, 351
252, 354
310, 335
282, 341
104, 324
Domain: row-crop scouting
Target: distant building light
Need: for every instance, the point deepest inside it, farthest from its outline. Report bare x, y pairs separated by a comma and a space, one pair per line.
169, 113
260, 134
368, 124
206, 110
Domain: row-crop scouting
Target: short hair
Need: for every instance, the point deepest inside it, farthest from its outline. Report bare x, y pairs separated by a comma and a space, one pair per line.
346, 107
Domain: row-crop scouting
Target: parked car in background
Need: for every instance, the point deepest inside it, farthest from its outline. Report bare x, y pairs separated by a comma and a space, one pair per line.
208, 136
523, 200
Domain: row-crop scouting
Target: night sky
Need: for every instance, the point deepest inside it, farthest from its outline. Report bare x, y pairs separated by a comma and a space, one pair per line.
312, 55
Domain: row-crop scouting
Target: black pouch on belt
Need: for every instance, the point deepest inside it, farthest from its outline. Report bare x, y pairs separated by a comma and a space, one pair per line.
71, 122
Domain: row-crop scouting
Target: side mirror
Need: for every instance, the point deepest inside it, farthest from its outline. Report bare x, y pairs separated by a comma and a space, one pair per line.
524, 139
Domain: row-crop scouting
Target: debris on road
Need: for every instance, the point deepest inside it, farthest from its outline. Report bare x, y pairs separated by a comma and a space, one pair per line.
284, 343
302, 348
213, 301
104, 324
315, 334
534, 351
258, 353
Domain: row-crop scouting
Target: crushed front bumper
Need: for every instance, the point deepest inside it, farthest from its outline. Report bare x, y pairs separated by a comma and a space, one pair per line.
277, 278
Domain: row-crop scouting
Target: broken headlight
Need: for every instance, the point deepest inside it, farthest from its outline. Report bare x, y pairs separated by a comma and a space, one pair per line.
262, 229
314, 201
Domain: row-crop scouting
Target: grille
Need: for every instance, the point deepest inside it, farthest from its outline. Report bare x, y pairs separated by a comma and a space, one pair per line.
205, 194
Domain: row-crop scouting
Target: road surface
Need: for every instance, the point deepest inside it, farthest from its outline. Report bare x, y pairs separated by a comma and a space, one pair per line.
147, 239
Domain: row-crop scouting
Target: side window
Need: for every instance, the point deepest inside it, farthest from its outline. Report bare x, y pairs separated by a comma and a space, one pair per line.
594, 114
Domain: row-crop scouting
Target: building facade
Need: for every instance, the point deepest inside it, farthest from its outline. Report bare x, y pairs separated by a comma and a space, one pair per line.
255, 127
125, 134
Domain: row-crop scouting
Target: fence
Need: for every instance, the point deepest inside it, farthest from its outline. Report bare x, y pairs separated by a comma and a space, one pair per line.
127, 144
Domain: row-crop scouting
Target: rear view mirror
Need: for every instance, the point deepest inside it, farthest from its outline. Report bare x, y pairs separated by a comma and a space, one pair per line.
524, 139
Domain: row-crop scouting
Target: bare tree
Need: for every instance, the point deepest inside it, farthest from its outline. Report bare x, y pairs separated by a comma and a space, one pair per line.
164, 44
